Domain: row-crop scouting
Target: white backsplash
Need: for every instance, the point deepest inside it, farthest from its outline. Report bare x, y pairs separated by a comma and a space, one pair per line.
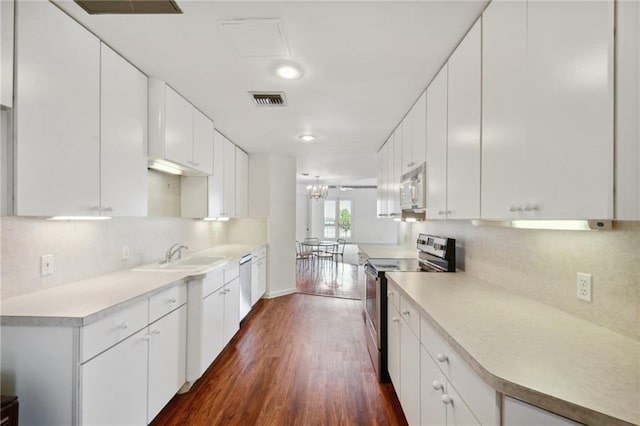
542, 265
84, 249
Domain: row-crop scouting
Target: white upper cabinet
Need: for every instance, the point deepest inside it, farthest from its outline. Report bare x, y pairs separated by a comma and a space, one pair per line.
396, 211
242, 182
436, 164
229, 181
202, 142
123, 137
548, 110
178, 132
463, 129
414, 128
6, 53
216, 181
504, 163
58, 114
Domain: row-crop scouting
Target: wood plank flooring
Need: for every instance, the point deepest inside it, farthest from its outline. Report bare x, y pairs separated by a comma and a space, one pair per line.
336, 279
297, 360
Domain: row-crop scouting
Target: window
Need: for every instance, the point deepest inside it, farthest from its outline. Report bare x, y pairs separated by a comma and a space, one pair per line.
337, 219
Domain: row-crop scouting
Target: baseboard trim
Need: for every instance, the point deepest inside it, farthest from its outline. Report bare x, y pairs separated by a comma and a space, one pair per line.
279, 293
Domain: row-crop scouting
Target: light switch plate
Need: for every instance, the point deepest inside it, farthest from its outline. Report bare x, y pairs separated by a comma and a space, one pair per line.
46, 264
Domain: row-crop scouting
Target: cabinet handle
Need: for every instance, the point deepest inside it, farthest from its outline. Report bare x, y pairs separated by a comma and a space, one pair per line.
446, 399
107, 209
529, 207
173, 300
406, 312
124, 325
156, 331
514, 209
195, 164
390, 294
442, 357
437, 385
395, 319
94, 208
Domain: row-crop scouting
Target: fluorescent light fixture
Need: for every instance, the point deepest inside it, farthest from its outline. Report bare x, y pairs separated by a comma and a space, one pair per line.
397, 219
411, 219
307, 137
79, 218
565, 225
210, 219
165, 166
289, 71
223, 219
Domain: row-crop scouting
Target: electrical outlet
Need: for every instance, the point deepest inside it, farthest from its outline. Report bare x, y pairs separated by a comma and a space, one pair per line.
46, 264
584, 286
125, 252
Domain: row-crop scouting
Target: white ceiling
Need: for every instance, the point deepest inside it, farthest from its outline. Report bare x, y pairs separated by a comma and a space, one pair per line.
365, 63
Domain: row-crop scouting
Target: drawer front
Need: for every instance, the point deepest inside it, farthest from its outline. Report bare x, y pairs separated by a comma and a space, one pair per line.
393, 295
166, 301
113, 328
479, 396
410, 313
212, 282
231, 271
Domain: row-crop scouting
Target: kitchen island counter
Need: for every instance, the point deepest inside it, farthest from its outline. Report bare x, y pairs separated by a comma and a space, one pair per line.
531, 351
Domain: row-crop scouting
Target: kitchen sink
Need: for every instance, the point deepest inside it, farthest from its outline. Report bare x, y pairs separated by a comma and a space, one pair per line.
190, 264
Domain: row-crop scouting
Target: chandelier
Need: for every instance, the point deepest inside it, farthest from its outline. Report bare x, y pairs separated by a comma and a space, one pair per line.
317, 191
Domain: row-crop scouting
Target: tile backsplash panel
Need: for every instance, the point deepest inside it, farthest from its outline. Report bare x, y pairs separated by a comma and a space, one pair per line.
542, 265
84, 249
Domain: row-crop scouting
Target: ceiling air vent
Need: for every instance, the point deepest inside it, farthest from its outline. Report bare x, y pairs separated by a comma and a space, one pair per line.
127, 7
268, 99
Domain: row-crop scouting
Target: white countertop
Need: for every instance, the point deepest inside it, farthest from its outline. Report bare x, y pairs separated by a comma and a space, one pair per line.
388, 251
532, 351
83, 302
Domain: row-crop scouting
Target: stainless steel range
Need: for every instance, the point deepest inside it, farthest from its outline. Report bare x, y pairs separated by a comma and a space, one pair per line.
435, 254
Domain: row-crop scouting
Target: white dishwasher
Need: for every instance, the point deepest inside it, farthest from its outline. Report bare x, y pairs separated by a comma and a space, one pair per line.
245, 285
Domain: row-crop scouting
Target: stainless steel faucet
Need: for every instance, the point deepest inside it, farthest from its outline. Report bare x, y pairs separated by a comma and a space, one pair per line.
173, 250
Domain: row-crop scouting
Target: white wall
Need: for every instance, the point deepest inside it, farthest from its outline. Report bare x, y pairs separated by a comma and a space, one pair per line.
302, 213
542, 265
366, 227
272, 195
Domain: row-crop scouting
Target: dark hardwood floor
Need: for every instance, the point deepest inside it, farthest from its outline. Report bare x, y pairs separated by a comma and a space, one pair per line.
336, 279
297, 360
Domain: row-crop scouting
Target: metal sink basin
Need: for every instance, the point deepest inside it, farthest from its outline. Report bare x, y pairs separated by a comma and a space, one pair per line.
190, 264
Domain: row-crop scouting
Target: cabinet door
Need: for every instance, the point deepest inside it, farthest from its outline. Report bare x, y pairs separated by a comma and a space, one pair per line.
178, 128
229, 179
458, 414
212, 328
390, 181
123, 137
383, 154
410, 374
504, 164
432, 387
113, 385
393, 348
242, 182
436, 155
231, 310
463, 134
419, 139
396, 171
216, 181
407, 141
380, 194
262, 283
58, 114
202, 143
570, 116
6, 53
255, 279
167, 359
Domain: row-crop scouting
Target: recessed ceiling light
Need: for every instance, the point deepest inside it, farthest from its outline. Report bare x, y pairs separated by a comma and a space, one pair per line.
289, 71
308, 138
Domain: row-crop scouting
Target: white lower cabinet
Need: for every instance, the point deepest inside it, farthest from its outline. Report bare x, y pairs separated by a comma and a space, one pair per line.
518, 413
432, 387
409, 376
113, 385
167, 359
258, 274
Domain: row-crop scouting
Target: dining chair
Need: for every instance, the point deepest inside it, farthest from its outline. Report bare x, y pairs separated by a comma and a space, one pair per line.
302, 254
339, 249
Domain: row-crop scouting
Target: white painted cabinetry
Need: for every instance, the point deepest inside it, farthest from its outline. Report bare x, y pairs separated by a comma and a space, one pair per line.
518, 413
463, 129
229, 181
242, 183
123, 137
6, 53
410, 361
548, 110
414, 128
258, 274
57, 164
216, 181
436, 156
178, 132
